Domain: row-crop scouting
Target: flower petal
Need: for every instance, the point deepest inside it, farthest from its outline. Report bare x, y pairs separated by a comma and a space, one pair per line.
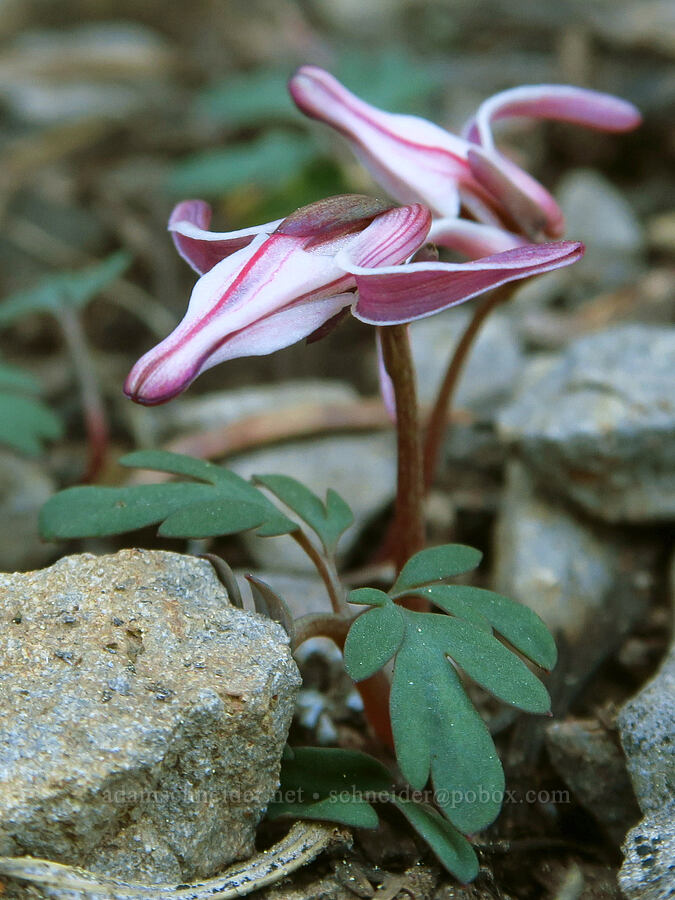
390, 238
529, 204
472, 238
386, 384
203, 249
246, 288
395, 295
561, 102
412, 158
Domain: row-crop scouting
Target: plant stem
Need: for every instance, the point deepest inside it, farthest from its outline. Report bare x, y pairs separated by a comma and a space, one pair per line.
326, 570
439, 419
92, 403
328, 625
408, 520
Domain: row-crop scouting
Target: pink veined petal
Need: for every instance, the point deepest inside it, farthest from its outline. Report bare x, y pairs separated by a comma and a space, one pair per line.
244, 289
386, 384
411, 157
203, 249
561, 102
390, 238
281, 329
168, 369
473, 239
396, 295
530, 205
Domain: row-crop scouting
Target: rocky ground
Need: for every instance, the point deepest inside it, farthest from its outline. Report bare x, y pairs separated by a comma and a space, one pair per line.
560, 463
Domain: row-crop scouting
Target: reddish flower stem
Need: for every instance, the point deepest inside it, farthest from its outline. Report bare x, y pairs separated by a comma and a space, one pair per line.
408, 516
438, 423
95, 419
408, 535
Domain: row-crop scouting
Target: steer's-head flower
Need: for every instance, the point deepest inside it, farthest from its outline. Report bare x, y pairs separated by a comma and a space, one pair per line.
264, 288
416, 161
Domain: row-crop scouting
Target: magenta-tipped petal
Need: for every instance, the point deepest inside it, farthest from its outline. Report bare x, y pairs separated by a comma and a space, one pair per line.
413, 159
203, 249
394, 295
560, 102
527, 202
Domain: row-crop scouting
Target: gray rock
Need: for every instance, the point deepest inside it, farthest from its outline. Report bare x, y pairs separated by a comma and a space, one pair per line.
647, 724
647, 727
361, 468
599, 425
24, 488
590, 762
587, 589
142, 719
218, 409
648, 871
491, 371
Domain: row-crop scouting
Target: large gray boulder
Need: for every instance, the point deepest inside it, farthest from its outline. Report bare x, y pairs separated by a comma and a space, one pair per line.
598, 425
142, 718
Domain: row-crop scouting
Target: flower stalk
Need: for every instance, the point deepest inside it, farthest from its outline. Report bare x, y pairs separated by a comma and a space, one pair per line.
409, 518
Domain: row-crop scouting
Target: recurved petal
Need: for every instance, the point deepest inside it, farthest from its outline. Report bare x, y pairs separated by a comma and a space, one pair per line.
472, 238
561, 102
389, 239
203, 249
528, 203
395, 295
411, 157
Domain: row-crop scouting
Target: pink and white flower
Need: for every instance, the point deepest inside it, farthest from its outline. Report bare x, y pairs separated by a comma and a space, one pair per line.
417, 161
264, 288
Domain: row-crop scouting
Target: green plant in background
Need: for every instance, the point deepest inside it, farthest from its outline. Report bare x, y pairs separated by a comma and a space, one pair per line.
25, 422
63, 296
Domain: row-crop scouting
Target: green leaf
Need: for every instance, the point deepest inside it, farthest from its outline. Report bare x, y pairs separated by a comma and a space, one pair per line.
25, 423
435, 564
212, 518
64, 289
329, 521
325, 770
486, 660
331, 784
369, 597
220, 503
14, 379
345, 812
174, 464
517, 623
444, 596
437, 731
264, 161
254, 98
92, 511
453, 850
372, 640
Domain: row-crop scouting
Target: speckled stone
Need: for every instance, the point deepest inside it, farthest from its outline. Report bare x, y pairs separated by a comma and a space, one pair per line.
648, 871
598, 426
142, 718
